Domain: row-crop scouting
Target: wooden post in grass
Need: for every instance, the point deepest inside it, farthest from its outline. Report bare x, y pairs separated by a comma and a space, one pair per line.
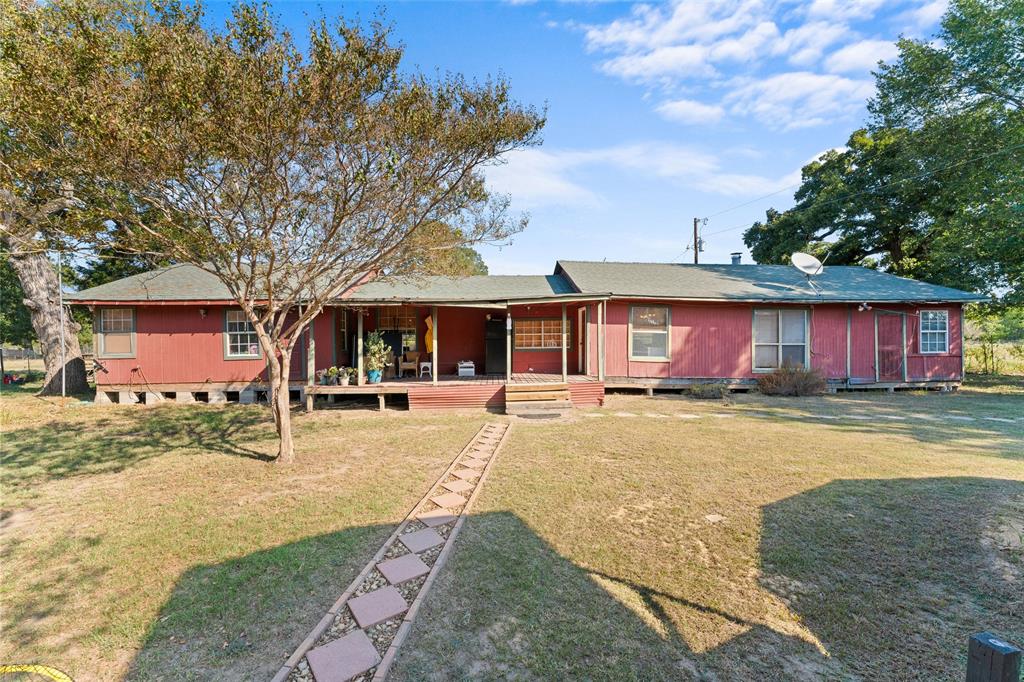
991, 659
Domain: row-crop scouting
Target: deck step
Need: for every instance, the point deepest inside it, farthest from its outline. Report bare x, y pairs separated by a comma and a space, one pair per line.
537, 396
547, 407
539, 386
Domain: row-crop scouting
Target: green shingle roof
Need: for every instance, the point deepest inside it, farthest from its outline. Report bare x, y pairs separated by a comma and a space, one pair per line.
474, 288
190, 283
573, 279
750, 283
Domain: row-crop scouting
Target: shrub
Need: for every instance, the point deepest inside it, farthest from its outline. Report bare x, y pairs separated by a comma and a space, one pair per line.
791, 380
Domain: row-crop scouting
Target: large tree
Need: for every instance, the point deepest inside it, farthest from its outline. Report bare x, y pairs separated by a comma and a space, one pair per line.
288, 174
932, 187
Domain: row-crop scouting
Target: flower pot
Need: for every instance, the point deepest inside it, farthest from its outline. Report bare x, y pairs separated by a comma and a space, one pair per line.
344, 380
373, 376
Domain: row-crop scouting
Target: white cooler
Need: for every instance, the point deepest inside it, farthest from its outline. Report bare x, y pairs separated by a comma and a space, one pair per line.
466, 368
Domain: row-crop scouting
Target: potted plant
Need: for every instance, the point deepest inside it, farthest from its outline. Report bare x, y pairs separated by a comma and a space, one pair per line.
321, 377
344, 376
376, 356
332, 375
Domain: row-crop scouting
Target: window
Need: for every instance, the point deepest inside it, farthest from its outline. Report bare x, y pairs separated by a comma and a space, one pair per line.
780, 339
540, 334
116, 331
648, 337
934, 331
341, 315
398, 317
240, 337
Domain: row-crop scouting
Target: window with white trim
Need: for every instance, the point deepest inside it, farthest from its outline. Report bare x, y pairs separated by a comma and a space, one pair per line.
934, 331
342, 316
648, 332
241, 340
539, 334
116, 331
780, 338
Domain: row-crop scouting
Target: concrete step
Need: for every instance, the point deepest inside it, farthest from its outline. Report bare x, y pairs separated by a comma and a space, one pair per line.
546, 407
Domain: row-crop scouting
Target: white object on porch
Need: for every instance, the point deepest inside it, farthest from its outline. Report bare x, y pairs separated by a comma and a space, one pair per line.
466, 368
426, 369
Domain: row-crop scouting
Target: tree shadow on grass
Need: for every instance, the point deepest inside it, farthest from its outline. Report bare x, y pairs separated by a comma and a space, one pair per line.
890, 575
113, 443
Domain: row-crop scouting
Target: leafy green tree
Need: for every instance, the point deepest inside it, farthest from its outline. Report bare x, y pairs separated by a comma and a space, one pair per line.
287, 174
15, 321
932, 188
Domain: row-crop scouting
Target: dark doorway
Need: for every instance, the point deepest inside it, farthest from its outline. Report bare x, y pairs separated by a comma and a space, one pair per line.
889, 333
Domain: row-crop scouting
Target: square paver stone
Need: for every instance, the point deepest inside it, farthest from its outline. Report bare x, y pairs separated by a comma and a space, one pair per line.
437, 517
457, 486
466, 474
343, 658
403, 568
377, 606
450, 500
421, 539
474, 463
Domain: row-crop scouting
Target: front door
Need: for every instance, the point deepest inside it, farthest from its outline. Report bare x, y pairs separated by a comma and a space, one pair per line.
889, 336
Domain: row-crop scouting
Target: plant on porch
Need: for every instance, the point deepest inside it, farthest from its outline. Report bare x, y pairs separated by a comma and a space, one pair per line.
292, 175
375, 356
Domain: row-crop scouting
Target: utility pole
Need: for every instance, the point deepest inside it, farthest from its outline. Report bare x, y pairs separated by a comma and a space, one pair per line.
696, 241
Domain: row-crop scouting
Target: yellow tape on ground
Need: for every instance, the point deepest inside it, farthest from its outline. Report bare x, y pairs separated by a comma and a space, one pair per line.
44, 670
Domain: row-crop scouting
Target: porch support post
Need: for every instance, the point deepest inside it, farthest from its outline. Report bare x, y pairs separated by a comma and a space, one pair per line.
359, 347
565, 350
508, 344
601, 314
310, 366
433, 346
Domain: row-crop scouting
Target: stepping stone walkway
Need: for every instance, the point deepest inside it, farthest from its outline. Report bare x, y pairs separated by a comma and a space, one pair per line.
359, 637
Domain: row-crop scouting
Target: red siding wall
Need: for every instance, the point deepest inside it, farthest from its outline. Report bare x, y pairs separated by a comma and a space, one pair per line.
714, 341
176, 345
546, 361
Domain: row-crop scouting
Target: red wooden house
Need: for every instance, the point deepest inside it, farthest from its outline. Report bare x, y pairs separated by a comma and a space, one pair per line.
489, 340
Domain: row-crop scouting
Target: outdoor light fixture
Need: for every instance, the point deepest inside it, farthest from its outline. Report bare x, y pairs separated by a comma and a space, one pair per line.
202, 313
863, 306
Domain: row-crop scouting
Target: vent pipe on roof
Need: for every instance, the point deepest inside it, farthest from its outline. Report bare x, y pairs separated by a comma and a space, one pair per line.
736, 257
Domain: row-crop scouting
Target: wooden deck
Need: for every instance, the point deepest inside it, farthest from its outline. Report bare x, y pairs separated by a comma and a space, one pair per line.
487, 391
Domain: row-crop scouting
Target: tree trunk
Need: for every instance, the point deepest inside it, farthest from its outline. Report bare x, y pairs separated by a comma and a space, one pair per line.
42, 298
280, 405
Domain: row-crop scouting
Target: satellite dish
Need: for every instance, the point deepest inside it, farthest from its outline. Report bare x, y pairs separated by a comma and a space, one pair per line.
807, 264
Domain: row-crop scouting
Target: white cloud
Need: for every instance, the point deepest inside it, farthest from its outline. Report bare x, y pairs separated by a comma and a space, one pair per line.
556, 178
861, 57
689, 111
798, 99
925, 16
844, 9
700, 46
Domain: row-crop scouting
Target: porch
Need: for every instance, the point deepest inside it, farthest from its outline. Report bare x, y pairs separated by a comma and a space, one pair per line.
479, 391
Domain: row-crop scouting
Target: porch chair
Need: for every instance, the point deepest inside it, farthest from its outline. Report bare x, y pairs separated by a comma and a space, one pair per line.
408, 363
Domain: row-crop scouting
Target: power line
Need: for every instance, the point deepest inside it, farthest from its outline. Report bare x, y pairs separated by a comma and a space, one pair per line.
881, 187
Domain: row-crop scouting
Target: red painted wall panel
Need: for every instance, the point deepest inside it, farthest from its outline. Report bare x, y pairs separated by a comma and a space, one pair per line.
862, 345
175, 344
711, 341
828, 340
616, 362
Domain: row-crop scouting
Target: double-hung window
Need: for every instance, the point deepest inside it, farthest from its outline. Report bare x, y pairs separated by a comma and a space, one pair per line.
116, 333
400, 319
648, 332
341, 315
780, 339
539, 334
240, 340
934, 331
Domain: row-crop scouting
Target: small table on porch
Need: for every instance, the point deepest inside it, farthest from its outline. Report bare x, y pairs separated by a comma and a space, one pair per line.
466, 368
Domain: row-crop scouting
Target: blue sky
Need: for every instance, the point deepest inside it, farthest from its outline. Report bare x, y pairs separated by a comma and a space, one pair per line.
657, 113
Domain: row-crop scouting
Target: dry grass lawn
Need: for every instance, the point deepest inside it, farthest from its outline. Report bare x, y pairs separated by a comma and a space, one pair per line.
758, 546
158, 543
